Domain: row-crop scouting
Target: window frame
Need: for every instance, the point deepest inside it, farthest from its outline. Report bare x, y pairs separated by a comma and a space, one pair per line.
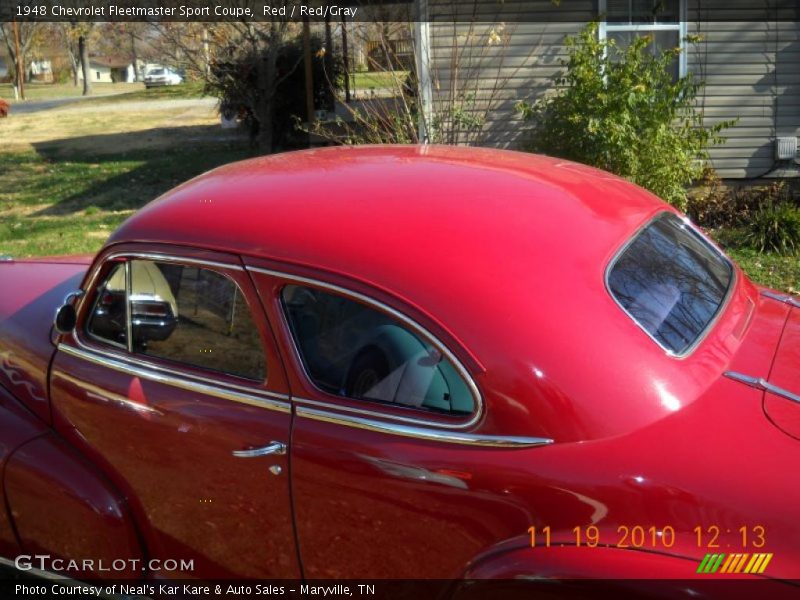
604, 27
103, 276
703, 239
371, 408
116, 351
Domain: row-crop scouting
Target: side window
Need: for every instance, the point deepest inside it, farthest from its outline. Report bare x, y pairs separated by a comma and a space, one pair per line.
195, 316
108, 320
182, 313
356, 351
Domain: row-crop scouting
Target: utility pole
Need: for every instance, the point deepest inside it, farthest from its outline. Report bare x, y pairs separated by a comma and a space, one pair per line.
20, 62
309, 72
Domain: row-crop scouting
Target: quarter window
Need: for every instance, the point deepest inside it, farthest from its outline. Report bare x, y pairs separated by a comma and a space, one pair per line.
187, 314
353, 350
671, 282
108, 320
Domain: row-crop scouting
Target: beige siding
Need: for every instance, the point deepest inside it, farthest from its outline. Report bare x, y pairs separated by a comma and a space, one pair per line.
751, 68
752, 74
499, 61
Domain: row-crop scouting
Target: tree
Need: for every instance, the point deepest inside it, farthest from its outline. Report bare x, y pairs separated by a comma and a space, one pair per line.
249, 71
193, 46
28, 37
68, 41
260, 81
468, 87
75, 38
83, 30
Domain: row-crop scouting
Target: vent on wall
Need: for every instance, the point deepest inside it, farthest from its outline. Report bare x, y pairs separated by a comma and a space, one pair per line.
785, 148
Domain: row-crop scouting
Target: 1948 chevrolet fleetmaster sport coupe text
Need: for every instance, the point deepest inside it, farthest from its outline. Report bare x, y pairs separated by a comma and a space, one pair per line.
401, 362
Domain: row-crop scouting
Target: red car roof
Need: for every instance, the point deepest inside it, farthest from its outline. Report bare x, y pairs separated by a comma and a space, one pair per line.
376, 211
505, 250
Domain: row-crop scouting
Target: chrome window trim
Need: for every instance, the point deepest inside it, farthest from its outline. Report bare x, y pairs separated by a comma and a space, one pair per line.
785, 298
262, 399
158, 256
135, 358
128, 307
760, 383
422, 433
150, 256
702, 237
77, 334
371, 413
462, 371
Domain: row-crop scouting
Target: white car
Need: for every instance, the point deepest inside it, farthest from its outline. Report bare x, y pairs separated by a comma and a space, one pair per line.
162, 76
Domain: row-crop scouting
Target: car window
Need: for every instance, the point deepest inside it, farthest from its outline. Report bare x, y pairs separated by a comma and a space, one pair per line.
187, 314
353, 350
671, 282
108, 320
196, 316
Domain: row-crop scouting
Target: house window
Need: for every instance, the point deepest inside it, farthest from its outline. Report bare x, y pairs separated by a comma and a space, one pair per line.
663, 20
97, 75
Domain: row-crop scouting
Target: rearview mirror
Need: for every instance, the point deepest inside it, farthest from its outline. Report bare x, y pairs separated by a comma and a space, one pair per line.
66, 316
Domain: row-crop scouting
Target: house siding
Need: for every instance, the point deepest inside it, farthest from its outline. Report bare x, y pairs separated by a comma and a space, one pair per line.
519, 65
752, 74
751, 69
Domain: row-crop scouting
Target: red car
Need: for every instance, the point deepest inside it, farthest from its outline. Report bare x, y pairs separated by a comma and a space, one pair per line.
400, 362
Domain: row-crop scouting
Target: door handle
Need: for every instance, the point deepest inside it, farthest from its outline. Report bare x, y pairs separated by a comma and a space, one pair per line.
271, 448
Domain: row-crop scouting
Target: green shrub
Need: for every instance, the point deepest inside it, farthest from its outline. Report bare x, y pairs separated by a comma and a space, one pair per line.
775, 228
620, 110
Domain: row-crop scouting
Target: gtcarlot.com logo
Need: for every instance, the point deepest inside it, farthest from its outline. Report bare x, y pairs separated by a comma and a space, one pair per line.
45, 562
735, 563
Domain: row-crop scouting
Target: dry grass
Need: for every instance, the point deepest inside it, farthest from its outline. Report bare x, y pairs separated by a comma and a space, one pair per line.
85, 127
70, 175
48, 91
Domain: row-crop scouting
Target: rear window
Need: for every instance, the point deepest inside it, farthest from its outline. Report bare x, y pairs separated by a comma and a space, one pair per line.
671, 282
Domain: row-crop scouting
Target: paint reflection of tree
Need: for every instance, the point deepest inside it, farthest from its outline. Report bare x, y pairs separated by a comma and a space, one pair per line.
671, 282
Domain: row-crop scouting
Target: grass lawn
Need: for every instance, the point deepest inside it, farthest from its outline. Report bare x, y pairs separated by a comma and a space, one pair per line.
69, 176
365, 80
773, 270
103, 92
48, 91
167, 92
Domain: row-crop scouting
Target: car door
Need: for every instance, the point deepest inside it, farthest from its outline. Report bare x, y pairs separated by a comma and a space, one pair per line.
389, 477
172, 384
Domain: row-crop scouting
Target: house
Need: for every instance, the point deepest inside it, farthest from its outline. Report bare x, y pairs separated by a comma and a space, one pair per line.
110, 69
41, 69
749, 57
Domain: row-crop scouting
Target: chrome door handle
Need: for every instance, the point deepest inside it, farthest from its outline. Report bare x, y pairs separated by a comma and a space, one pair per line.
271, 448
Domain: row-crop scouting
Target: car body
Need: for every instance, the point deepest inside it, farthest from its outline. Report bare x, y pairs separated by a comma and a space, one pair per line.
458, 361
161, 76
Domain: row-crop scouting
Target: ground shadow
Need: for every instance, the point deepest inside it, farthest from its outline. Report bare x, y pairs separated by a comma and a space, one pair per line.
147, 163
